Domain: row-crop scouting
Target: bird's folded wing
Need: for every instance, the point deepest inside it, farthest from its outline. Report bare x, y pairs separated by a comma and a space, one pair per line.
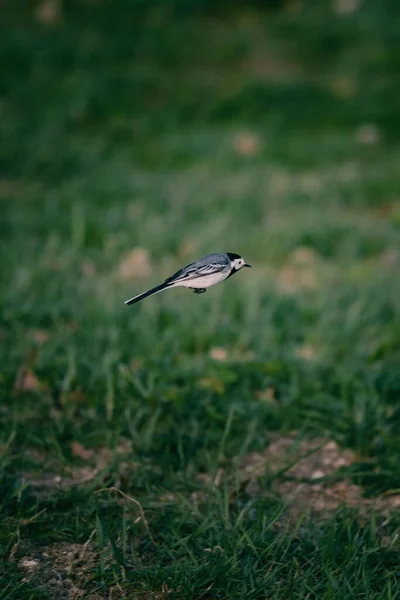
196, 270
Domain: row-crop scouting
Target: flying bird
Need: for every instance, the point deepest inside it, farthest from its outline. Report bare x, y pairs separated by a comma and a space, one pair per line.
199, 275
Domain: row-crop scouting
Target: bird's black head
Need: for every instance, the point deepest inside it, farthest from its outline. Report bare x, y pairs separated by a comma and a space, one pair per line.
237, 262
232, 255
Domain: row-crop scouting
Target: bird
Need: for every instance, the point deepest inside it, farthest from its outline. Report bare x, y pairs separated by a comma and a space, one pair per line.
199, 275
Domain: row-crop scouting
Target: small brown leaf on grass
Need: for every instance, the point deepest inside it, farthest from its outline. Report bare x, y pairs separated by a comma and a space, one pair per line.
368, 134
29, 564
346, 7
136, 264
306, 352
27, 381
267, 396
218, 477
40, 336
246, 143
48, 12
124, 446
235, 355
214, 549
80, 451
219, 354
204, 478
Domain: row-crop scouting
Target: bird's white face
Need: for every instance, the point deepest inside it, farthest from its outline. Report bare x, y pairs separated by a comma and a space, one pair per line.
239, 263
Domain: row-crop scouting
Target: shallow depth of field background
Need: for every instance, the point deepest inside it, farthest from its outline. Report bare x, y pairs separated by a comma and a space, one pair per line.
239, 444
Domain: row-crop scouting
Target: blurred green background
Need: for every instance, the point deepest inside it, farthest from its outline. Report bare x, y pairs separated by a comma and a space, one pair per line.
137, 136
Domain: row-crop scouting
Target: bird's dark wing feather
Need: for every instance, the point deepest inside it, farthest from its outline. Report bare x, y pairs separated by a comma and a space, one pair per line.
214, 263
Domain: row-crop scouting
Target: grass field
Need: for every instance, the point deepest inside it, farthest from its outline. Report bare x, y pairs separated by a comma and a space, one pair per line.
239, 444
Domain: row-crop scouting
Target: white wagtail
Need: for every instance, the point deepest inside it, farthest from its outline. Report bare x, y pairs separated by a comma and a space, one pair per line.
199, 275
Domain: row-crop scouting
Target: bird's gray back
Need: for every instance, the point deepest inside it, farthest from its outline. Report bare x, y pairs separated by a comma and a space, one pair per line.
212, 259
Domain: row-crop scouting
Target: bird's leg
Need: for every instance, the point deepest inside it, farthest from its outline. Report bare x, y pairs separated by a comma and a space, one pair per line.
199, 290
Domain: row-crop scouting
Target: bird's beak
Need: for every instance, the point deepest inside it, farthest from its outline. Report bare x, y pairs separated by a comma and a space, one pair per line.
246, 265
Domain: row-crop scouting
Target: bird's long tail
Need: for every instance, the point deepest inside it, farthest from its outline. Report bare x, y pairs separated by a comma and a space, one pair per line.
154, 290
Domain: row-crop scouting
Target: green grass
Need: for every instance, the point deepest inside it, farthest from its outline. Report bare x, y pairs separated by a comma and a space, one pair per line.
180, 130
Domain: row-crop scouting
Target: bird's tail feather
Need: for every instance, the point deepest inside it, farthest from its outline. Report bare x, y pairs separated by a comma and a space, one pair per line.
154, 290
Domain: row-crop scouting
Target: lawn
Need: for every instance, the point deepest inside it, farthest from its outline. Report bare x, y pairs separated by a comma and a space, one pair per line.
243, 443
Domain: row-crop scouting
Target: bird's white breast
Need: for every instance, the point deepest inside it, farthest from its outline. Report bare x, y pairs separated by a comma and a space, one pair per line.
205, 281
